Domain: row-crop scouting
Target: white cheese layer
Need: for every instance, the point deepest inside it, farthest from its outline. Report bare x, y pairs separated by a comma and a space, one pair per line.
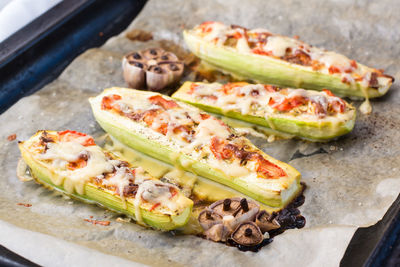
241, 99
278, 45
198, 149
61, 153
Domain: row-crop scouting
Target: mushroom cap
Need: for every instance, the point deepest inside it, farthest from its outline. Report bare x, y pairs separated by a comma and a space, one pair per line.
251, 206
247, 234
218, 207
207, 222
266, 221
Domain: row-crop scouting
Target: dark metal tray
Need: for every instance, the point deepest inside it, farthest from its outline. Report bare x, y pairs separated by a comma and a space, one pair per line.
36, 55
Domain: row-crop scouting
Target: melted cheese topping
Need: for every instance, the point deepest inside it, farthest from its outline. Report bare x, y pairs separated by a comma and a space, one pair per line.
108, 172
241, 99
203, 128
277, 46
61, 153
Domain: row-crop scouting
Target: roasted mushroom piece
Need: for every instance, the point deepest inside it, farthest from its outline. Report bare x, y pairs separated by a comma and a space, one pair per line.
228, 206
207, 219
248, 209
154, 68
221, 218
247, 234
266, 221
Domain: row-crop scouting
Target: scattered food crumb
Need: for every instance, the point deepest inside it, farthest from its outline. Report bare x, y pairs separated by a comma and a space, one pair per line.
123, 220
296, 37
11, 137
25, 205
332, 148
104, 223
91, 217
101, 34
139, 35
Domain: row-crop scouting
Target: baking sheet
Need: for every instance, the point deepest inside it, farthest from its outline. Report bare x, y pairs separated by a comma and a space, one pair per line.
351, 181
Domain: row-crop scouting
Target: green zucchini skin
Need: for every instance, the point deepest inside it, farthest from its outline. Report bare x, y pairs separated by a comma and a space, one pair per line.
264, 69
105, 198
137, 141
315, 131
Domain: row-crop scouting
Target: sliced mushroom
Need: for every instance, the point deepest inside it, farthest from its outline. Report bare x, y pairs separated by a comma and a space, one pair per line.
266, 221
153, 67
247, 234
207, 218
228, 206
248, 208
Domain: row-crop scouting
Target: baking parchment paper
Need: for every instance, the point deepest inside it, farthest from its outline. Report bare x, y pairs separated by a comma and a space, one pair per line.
351, 182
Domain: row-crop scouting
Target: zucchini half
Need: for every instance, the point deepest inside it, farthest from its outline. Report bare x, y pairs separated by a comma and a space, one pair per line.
272, 70
313, 129
275, 192
50, 177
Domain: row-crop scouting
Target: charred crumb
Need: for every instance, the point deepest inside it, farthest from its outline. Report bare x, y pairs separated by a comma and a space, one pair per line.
92, 221
26, 205
139, 35
12, 137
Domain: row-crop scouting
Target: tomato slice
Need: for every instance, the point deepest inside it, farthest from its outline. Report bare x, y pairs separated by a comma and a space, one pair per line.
333, 69
154, 206
77, 164
160, 101
149, 116
206, 26
269, 169
260, 51
237, 35
84, 139
193, 87
173, 192
288, 103
216, 146
328, 92
270, 88
107, 101
353, 63
221, 149
204, 116
227, 88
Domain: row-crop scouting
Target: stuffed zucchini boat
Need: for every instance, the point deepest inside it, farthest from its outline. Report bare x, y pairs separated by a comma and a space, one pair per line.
183, 135
308, 114
270, 58
72, 163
